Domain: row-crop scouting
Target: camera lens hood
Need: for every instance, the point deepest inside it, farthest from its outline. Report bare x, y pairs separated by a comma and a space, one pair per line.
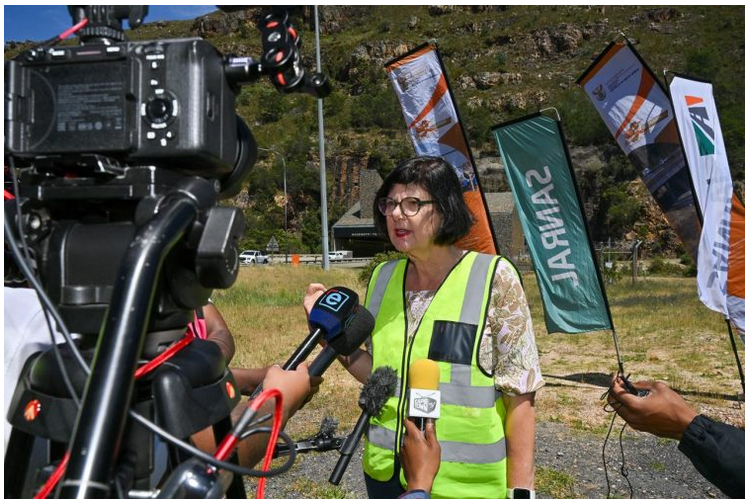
246, 157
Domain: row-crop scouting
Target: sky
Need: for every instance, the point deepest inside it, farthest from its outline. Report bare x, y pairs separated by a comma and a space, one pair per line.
40, 22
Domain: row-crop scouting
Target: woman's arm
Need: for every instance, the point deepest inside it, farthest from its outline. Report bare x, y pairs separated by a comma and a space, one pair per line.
520, 440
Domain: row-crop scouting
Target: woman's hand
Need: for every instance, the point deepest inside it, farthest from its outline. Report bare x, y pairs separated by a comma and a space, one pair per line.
313, 292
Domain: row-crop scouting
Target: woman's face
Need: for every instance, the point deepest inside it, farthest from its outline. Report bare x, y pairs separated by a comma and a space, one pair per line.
413, 234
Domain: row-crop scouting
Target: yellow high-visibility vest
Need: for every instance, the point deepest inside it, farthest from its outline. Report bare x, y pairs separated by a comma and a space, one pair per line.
470, 429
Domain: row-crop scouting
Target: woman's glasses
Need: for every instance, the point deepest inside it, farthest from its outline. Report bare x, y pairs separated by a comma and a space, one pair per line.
409, 206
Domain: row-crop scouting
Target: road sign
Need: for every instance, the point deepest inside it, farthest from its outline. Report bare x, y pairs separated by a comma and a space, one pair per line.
272, 245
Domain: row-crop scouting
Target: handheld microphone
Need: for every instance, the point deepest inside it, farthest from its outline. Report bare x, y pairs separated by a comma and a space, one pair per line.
332, 311
424, 399
357, 329
328, 317
379, 387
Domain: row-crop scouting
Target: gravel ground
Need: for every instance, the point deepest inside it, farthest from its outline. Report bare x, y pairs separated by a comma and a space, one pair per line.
572, 459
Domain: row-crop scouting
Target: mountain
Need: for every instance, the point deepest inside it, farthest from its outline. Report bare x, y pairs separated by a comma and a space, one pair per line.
502, 62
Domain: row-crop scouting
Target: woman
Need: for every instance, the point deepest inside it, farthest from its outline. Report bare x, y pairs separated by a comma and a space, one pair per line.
464, 310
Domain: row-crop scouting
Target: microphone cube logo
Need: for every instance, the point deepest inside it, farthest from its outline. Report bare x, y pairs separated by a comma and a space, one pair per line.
426, 405
334, 300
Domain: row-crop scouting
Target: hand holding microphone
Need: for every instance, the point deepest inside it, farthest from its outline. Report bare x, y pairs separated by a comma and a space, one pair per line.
424, 398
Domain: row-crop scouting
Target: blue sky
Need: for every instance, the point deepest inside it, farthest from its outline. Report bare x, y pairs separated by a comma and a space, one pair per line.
40, 22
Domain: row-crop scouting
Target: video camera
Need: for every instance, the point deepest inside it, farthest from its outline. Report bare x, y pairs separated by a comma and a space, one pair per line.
110, 126
167, 103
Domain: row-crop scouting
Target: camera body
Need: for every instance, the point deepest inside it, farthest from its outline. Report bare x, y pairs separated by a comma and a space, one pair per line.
166, 103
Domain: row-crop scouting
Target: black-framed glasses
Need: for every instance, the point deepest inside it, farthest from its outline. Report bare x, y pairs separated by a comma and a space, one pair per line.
409, 206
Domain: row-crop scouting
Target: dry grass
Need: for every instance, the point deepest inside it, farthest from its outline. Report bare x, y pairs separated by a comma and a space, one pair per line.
664, 333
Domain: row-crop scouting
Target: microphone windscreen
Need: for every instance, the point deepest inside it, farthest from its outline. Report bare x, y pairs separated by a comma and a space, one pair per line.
424, 374
379, 387
360, 326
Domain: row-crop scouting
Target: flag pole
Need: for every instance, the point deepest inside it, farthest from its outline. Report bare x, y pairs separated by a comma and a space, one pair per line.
735, 351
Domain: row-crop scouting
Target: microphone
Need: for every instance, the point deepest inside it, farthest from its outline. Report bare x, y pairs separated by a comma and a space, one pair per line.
424, 399
358, 327
378, 388
328, 317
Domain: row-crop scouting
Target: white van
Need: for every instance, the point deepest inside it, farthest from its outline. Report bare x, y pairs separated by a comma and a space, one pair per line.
341, 255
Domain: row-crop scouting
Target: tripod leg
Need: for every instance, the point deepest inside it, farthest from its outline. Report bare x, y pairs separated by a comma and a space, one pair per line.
236, 489
17, 457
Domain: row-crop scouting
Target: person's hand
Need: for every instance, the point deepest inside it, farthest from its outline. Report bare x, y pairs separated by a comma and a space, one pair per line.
293, 384
662, 412
313, 292
420, 455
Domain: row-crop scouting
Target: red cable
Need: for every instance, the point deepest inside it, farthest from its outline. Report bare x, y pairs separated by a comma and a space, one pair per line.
231, 440
277, 419
72, 30
50, 484
54, 478
164, 356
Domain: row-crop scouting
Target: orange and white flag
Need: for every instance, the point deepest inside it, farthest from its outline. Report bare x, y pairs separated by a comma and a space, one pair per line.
420, 82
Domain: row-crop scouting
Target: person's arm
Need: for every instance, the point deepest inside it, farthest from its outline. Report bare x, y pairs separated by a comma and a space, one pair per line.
520, 440
514, 358
219, 332
716, 450
247, 379
295, 387
420, 456
359, 363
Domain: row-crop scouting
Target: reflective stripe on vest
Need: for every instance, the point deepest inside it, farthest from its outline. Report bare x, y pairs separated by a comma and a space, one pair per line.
452, 451
463, 394
471, 428
383, 279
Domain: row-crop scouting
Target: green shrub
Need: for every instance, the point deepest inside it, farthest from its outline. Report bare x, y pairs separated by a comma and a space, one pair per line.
661, 268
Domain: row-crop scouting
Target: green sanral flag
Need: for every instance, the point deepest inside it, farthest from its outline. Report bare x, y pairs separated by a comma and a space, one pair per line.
539, 172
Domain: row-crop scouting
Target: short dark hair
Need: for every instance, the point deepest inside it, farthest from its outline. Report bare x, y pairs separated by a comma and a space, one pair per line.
439, 179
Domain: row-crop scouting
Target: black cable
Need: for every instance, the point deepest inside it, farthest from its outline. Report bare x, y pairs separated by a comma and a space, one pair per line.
244, 435
605, 463
624, 470
22, 237
29, 275
610, 408
210, 458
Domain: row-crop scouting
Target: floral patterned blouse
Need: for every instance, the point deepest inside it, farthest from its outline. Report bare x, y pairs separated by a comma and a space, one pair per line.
507, 346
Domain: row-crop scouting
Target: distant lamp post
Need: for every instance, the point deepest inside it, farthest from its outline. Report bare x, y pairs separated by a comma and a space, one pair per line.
285, 195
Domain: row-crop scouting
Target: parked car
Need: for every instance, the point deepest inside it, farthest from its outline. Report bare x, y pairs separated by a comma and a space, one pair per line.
341, 254
253, 257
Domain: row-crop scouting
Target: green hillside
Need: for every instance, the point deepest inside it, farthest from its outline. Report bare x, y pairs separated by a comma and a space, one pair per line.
503, 62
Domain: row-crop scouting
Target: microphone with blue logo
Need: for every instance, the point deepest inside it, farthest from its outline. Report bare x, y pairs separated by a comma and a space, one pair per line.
424, 398
331, 315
